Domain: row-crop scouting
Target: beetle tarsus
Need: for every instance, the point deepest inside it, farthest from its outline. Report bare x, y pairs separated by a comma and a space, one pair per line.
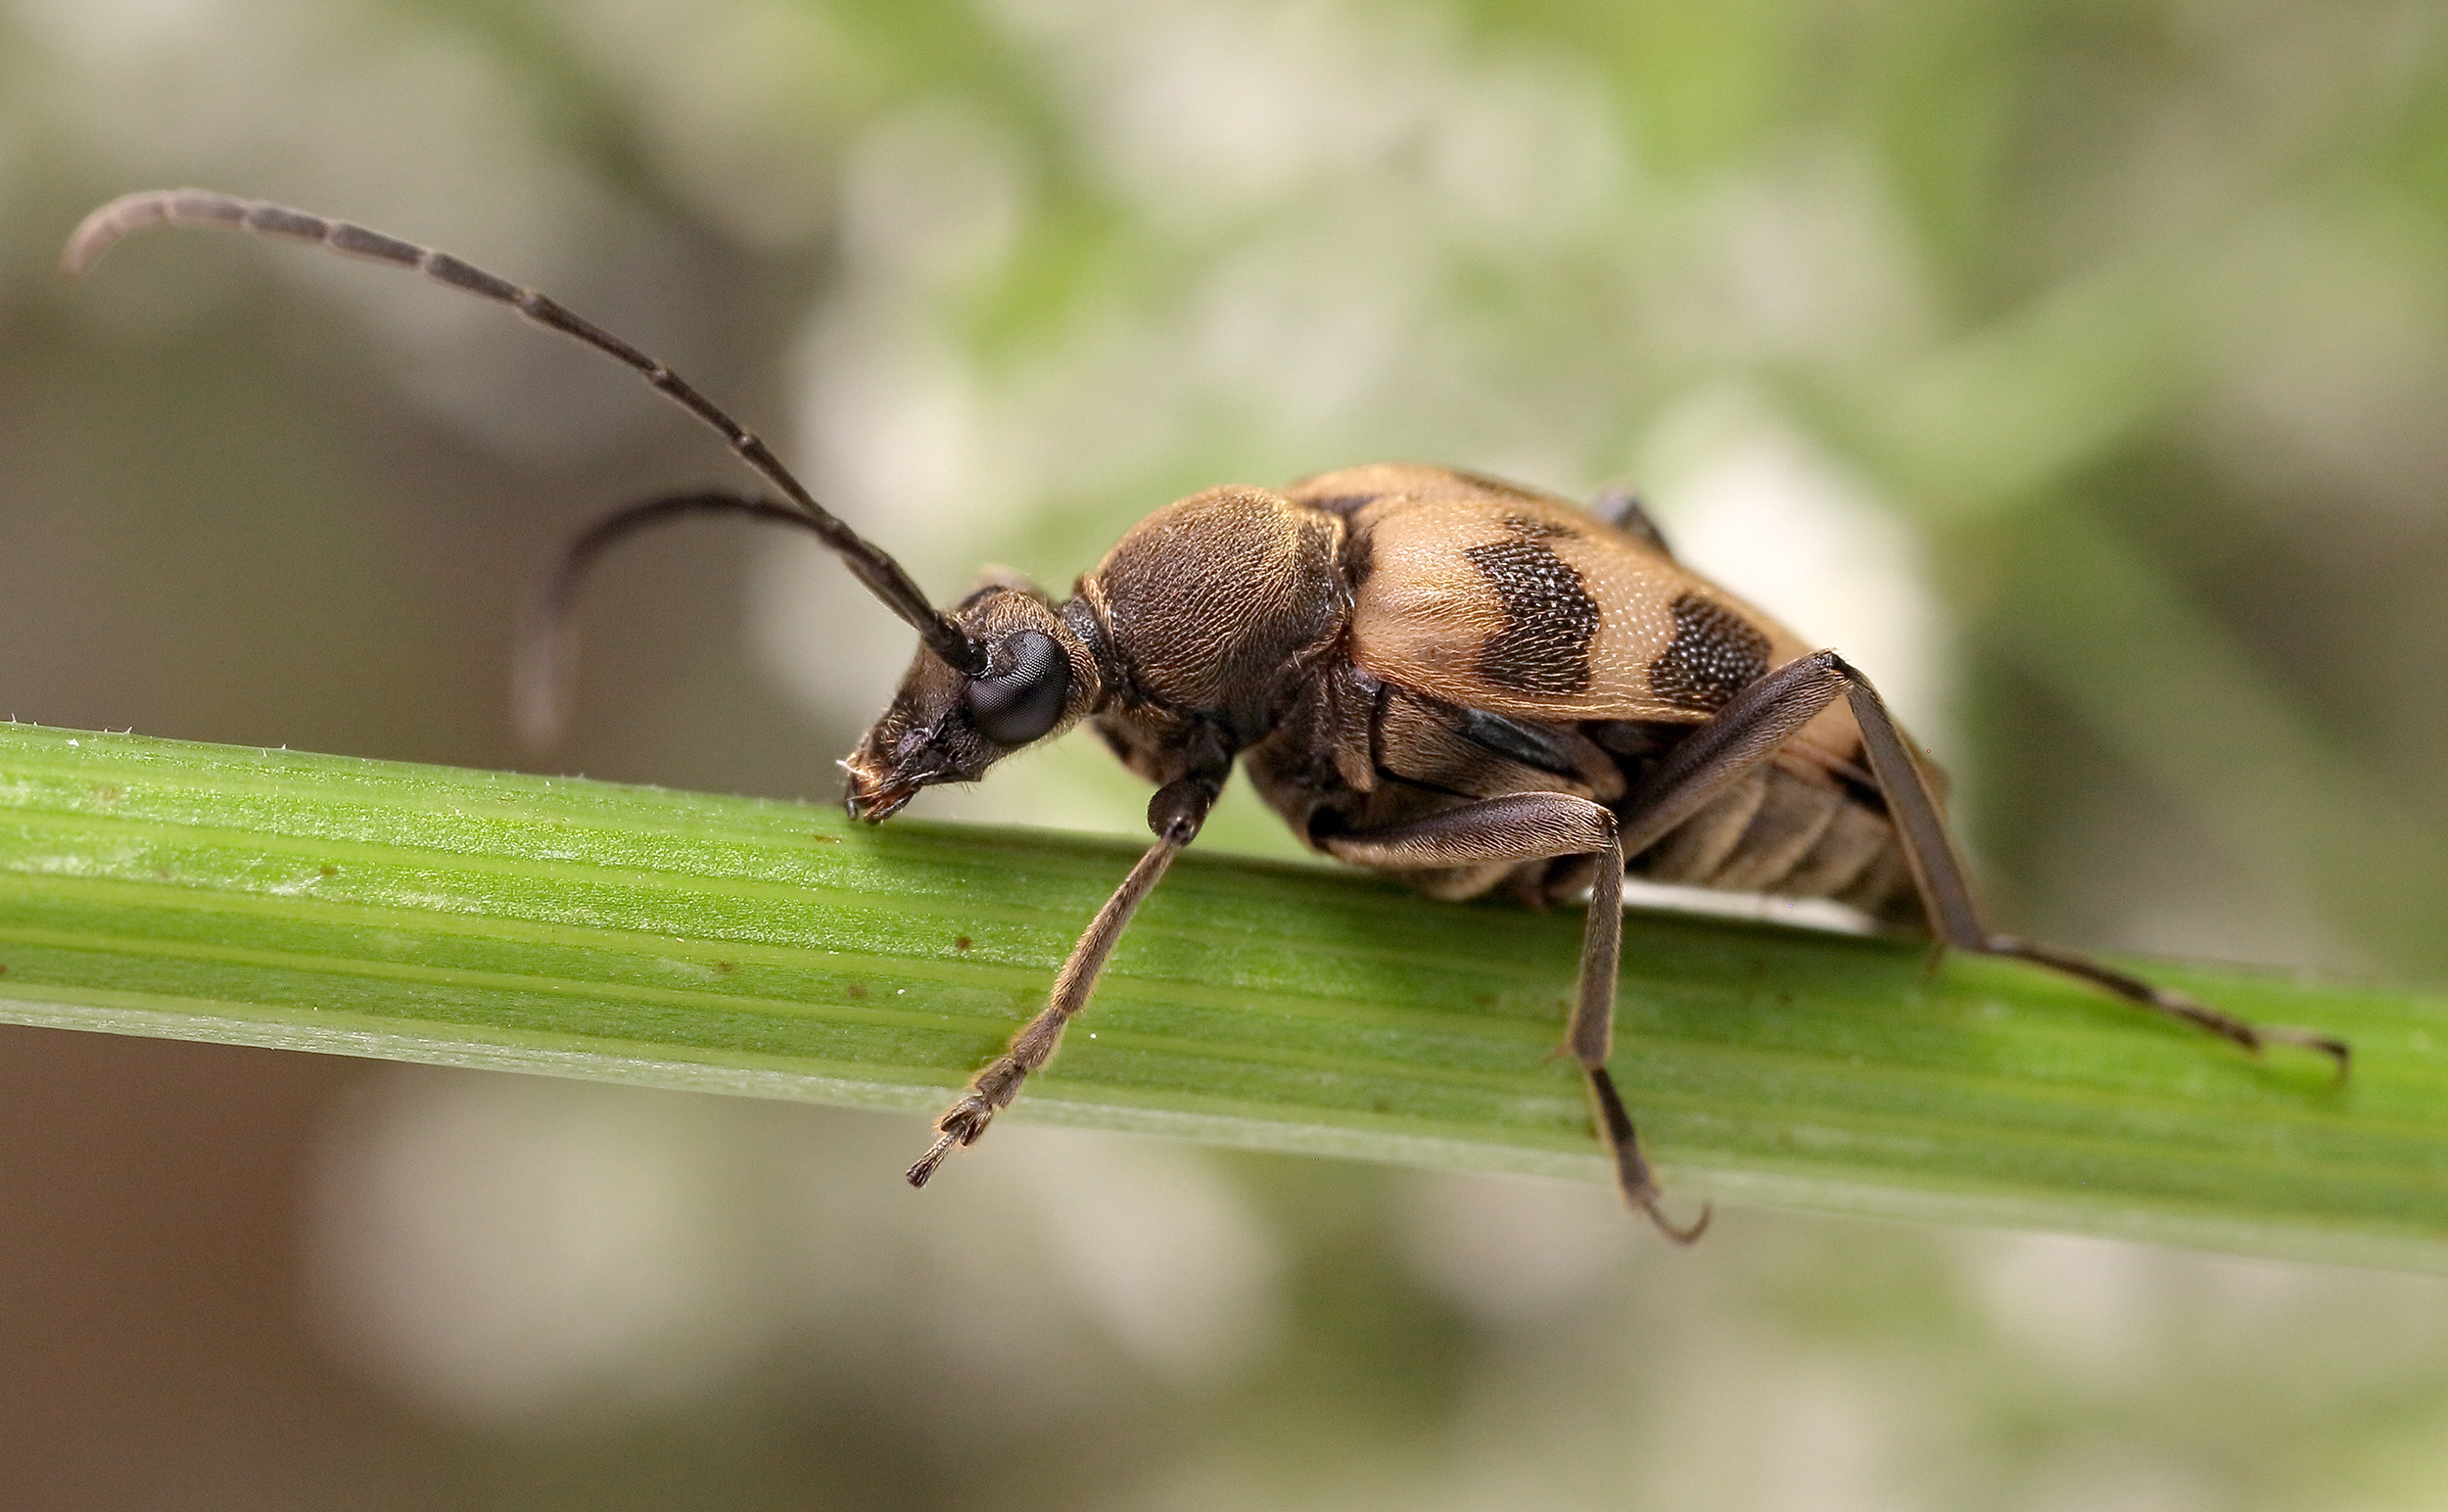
2255, 1037
965, 1122
2336, 1048
1681, 1234
916, 1174
2328, 1044
2252, 1037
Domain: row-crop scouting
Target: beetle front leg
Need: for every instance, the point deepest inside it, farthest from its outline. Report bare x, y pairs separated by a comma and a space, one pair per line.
1175, 814
1535, 827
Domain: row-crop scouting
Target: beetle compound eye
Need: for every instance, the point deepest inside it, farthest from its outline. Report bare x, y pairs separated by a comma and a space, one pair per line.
1023, 697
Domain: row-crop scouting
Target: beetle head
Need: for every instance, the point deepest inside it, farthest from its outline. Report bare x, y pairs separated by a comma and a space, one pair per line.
948, 726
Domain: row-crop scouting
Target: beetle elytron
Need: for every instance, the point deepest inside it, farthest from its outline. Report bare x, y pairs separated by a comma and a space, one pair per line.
1464, 683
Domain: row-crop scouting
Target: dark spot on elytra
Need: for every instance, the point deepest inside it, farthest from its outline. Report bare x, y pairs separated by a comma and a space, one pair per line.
961, 942
1549, 619
1716, 653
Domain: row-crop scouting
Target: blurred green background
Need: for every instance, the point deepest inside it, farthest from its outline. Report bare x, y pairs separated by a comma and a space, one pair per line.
2078, 369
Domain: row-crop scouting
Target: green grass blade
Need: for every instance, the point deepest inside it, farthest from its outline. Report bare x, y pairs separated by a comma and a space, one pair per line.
677, 939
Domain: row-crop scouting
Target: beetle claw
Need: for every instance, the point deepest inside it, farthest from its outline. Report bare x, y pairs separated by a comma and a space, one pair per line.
1686, 1234
959, 1128
926, 1163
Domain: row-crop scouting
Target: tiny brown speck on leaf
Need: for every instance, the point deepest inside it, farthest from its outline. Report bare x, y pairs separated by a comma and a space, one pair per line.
725, 966
331, 871
830, 839
961, 942
857, 991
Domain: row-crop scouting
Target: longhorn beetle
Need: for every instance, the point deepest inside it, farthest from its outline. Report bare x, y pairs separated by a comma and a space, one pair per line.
1463, 683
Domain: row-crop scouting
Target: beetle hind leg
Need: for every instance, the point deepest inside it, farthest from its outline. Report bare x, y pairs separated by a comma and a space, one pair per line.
1760, 719
1955, 916
2254, 1037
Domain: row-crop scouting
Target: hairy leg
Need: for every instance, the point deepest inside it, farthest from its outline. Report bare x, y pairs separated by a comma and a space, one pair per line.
1532, 827
1764, 715
1175, 814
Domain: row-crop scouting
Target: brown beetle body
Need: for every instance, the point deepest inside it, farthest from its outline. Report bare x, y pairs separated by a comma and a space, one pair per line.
1391, 683
1459, 587
1463, 683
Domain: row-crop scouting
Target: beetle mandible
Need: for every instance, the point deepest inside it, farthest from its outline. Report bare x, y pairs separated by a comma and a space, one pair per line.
1464, 683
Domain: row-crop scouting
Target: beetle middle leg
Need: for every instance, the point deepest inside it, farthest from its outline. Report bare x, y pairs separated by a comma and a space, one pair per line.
1535, 826
1760, 719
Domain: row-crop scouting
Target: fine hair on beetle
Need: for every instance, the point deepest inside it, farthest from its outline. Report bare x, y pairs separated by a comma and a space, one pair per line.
1472, 686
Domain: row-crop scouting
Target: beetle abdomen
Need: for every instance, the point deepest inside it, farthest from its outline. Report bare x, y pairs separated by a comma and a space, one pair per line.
1794, 833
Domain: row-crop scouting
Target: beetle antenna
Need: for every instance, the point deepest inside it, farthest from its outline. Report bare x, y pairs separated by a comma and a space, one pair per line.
148, 208
546, 657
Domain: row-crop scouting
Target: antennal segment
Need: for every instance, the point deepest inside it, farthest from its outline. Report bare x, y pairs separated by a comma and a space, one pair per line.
546, 656
872, 565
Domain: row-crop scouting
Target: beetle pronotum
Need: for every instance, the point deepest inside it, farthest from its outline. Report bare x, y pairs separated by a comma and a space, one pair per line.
1464, 683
